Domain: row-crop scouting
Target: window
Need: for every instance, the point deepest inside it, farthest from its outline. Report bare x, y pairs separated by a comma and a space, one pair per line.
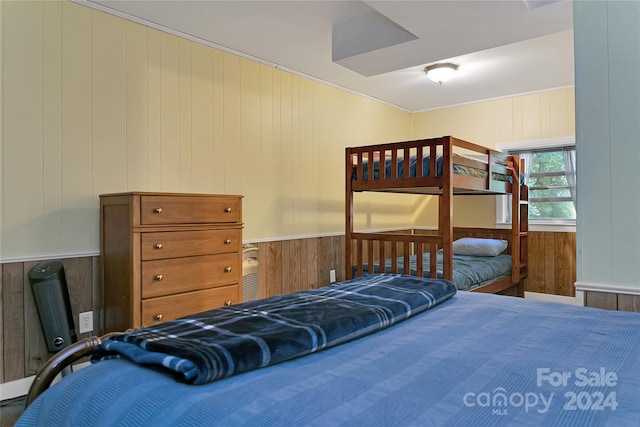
550, 173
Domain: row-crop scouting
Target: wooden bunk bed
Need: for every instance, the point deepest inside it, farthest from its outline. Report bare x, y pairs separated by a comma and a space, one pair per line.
443, 167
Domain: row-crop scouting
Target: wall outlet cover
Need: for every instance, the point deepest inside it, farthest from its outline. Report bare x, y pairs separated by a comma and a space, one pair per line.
85, 322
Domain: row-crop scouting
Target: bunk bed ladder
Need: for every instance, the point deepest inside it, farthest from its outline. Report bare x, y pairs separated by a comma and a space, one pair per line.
348, 242
519, 227
445, 210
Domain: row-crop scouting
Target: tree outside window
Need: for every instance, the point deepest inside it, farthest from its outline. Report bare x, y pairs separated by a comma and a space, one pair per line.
549, 191
550, 175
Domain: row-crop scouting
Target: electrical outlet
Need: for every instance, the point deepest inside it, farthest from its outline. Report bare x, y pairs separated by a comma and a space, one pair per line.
86, 322
332, 276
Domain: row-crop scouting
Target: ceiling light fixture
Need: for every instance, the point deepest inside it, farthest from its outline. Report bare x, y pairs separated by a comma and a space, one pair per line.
440, 73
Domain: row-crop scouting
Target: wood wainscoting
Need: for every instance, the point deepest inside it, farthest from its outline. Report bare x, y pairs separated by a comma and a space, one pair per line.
22, 343
300, 264
612, 301
552, 263
284, 266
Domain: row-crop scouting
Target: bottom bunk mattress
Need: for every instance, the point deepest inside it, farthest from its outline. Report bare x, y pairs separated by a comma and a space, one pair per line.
472, 360
469, 271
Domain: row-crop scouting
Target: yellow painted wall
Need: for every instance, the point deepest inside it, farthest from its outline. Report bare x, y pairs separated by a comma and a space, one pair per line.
94, 104
521, 118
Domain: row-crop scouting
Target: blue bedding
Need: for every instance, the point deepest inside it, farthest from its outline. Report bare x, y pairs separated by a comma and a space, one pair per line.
469, 272
230, 340
426, 167
473, 360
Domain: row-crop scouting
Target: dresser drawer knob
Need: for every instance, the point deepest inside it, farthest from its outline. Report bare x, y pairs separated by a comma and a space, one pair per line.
159, 317
227, 210
227, 269
227, 242
157, 210
159, 277
158, 245
227, 302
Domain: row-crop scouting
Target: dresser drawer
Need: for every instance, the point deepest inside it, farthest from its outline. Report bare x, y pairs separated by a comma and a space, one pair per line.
156, 310
170, 209
172, 276
168, 255
174, 244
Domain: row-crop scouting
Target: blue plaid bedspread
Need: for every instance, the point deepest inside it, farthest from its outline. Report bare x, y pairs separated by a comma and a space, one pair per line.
226, 341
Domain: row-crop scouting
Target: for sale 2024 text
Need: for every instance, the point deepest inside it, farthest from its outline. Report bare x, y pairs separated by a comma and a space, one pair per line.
601, 380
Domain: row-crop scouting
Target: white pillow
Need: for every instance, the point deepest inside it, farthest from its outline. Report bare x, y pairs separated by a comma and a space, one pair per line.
479, 247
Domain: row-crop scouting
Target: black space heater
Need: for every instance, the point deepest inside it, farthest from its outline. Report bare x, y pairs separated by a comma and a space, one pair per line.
50, 292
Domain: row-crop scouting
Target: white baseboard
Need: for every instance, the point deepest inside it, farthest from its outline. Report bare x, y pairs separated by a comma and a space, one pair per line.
550, 298
18, 388
604, 287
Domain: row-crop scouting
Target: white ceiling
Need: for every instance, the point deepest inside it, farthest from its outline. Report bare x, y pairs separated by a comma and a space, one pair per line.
503, 47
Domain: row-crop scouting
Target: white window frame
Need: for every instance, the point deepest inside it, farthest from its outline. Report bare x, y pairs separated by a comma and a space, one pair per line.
503, 202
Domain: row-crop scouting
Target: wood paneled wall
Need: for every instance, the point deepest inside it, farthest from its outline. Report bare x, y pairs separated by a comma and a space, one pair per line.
295, 265
94, 104
612, 301
284, 266
607, 105
552, 263
22, 343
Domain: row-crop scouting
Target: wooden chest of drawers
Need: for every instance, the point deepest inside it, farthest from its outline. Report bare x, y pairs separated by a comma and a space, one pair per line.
167, 255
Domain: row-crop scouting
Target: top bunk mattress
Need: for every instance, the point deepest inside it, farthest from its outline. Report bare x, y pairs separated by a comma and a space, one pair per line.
458, 169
